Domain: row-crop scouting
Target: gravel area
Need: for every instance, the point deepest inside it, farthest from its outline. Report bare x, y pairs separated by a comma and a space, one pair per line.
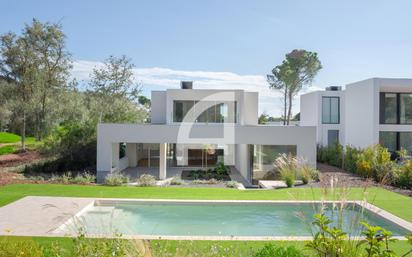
346, 179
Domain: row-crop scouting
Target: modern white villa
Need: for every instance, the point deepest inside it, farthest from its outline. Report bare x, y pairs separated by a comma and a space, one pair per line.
199, 128
368, 112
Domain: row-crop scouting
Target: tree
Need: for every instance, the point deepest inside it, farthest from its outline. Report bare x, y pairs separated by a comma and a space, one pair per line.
18, 65
36, 66
113, 85
297, 70
53, 66
115, 79
263, 118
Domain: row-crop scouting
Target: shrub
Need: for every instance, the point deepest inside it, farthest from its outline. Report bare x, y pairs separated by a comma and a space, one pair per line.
221, 170
332, 155
405, 175
176, 181
351, 158
232, 184
308, 173
146, 180
116, 179
66, 178
270, 250
205, 182
374, 162
287, 165
84, 179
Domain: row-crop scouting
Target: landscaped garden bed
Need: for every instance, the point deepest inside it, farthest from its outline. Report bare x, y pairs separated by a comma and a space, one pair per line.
219, 172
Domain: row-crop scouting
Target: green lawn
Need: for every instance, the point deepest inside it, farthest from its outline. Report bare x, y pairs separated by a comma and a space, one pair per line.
395, 203
13, 142
6, 137
7, 149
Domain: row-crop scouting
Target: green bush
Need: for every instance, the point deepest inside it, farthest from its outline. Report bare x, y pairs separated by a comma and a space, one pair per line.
116, 179
332, 155
308, 173
146, 180
350, 158
374, 162
84, 179
405, 175
270, 250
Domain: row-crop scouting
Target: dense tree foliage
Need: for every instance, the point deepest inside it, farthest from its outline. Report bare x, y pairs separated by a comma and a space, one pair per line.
297, 70
39, 98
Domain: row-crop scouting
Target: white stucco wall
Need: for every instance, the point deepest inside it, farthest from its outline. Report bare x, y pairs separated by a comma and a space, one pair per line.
362, 113
158, 107
250, 108
108, 134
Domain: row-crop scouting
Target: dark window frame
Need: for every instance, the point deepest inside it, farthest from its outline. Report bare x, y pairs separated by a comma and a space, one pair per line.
330, 110
398, 108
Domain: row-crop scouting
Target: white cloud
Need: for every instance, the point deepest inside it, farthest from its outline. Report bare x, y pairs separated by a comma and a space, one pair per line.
163, 78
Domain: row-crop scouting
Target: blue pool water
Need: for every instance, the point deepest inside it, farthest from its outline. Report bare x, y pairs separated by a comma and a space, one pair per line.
221, 219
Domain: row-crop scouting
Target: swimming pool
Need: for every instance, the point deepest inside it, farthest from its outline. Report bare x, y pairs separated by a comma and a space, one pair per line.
219, 218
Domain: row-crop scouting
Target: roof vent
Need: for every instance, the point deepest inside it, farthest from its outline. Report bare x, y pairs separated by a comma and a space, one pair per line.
334, 88
186, 84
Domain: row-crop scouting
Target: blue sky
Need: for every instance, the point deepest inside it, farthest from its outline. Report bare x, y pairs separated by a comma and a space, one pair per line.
230, 44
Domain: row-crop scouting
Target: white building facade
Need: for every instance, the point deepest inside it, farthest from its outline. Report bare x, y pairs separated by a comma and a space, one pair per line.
200, 128
368, 112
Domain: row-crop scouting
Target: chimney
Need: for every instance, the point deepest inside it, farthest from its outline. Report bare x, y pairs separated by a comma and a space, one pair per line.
186, 84
334, 88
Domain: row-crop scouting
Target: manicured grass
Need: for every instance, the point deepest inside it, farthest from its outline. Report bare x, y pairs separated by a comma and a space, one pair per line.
13, 143
395, 203
6, 137
7, 149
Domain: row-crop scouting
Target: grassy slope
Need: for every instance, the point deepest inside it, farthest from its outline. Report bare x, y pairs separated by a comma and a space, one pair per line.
13, 142
395, 203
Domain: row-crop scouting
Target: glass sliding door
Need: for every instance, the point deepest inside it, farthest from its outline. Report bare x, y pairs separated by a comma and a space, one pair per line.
148, 155
263, 158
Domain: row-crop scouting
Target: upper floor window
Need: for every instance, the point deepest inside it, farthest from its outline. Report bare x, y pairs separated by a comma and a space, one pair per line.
330, 110
396, 108
204, 111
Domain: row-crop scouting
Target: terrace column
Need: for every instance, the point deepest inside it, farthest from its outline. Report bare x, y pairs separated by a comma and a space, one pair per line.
131, 153
162, 161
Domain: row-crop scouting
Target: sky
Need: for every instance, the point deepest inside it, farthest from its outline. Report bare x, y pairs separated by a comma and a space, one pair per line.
229, 43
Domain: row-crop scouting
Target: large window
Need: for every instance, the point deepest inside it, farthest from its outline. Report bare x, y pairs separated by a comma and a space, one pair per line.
395, 141
330, 110
215, 112
405, 108
263, 158
395, 108
333, 137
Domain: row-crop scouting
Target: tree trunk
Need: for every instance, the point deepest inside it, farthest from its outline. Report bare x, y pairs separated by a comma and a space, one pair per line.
290, 108
285, 107
23, 132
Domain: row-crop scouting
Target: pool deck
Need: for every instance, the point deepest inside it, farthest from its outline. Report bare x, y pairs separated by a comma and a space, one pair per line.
46, 216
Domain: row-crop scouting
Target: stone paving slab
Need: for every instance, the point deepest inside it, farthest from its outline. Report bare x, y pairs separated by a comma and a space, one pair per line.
36, 216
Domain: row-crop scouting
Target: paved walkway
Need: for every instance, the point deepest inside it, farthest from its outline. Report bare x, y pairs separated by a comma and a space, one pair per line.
38, 216
136, 172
